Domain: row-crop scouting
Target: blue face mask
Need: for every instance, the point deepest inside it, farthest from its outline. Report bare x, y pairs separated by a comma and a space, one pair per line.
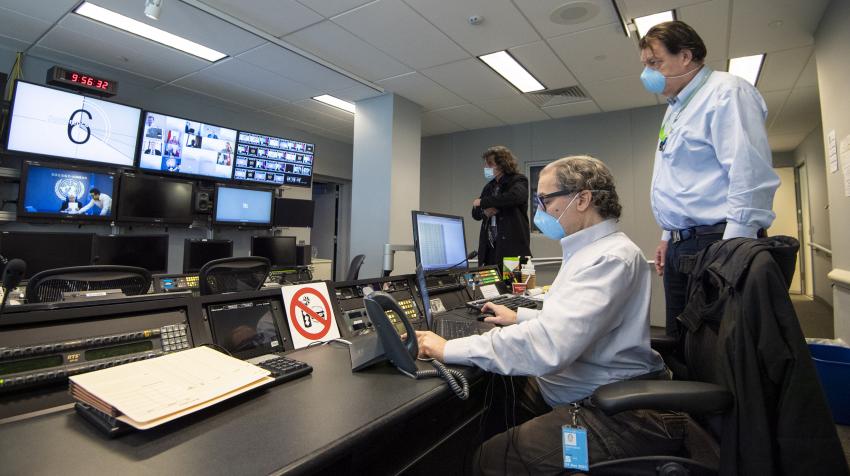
653, 80
489, 174
549, 225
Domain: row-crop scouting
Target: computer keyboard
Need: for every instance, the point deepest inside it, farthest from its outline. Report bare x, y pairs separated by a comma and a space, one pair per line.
456, 329
511, 301
284, 369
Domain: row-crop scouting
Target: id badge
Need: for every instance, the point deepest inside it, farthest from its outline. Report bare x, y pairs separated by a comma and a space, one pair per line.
575, 448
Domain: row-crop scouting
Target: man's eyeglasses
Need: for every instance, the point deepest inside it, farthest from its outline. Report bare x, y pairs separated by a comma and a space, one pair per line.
542, 197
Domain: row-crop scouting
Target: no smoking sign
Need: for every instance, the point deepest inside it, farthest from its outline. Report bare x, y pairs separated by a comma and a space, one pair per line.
309, 313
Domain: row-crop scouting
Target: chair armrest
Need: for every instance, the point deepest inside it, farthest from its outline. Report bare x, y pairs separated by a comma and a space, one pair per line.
663, 344
673, 395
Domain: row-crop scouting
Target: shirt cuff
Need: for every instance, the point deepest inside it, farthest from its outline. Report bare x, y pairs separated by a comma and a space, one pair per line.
526, 314
456, 351
665, 235
738, 230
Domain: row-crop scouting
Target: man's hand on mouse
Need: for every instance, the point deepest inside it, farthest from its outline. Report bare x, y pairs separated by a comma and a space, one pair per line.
501, 314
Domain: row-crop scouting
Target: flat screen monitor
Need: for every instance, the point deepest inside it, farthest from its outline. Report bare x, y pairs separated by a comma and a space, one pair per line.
181, 146
66, 192
438, 241
144, 251
293, 212
273, 160
280, 250
245, 329
155, 200
197, 253
242, 206
57, 123
42, 251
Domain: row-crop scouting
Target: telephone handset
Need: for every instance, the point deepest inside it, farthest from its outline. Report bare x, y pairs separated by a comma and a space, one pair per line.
404, 354
401, 354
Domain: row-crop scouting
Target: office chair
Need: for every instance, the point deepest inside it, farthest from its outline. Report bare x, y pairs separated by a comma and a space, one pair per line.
51, 284
354, 268
229, 275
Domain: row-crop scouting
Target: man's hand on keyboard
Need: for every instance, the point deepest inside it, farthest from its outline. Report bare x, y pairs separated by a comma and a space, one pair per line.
503, 316
430, 345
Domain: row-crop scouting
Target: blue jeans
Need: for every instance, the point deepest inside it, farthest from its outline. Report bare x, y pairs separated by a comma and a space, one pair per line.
677, 263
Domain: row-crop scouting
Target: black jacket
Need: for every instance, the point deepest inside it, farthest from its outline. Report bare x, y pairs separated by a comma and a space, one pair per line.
510, 196
780, 423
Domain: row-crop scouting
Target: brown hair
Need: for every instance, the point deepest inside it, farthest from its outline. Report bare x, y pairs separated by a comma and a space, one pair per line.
503, 157
583, 172
676, 36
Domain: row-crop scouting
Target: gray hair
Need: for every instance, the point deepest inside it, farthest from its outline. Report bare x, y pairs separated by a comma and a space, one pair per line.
583, 172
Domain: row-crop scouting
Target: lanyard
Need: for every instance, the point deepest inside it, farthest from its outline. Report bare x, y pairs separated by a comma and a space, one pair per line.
662, 133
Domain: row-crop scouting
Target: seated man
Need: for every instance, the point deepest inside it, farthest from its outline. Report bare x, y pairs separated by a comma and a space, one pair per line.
593, 330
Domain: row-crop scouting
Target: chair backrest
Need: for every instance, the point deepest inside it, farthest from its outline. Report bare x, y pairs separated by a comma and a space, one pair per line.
51, 284
354, 268
226, 275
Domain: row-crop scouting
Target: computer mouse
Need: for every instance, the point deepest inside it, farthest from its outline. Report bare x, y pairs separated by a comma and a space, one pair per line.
484, 315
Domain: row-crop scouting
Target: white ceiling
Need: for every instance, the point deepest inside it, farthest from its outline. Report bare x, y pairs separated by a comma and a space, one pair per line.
426, 50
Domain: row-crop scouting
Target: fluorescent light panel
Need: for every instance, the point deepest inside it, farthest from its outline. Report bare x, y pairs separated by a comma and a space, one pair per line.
335, 102
505, 64
643, 24
747, 67
90, 10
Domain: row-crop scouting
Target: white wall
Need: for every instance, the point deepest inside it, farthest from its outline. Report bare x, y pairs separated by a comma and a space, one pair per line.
452, 176
832, 50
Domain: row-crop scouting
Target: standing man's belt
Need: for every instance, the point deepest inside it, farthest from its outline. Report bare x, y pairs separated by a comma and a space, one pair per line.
694, 231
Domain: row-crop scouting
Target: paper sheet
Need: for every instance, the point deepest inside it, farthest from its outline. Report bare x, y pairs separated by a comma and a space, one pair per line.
832, 152
489, 291
844, 154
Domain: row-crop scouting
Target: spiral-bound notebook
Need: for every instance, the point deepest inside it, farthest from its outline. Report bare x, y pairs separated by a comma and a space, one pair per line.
151, 392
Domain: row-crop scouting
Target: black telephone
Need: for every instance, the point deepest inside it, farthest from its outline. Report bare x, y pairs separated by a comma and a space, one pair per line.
401, 354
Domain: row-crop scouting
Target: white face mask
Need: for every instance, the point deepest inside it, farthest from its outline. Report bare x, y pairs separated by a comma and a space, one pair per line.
489, 173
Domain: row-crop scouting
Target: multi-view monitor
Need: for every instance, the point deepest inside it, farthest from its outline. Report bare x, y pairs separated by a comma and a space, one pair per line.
273, 160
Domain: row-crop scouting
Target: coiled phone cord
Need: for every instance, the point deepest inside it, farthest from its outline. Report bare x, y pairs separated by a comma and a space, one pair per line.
454, 378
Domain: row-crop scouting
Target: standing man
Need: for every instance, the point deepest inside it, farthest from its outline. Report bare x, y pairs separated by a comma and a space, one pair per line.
713, 177
101, 200
502, 209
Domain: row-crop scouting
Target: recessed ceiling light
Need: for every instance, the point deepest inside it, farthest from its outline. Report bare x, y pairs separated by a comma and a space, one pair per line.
747, 67
643, 24
505, 64
90, 10
335, 102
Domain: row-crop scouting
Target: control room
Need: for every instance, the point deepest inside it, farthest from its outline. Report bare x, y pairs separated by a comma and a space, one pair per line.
471, 237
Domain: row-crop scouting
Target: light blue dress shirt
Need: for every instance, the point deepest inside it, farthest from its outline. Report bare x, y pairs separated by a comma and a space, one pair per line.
715, 164
593, 328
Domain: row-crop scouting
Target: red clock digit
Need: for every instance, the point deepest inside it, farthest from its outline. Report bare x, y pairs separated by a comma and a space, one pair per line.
75, 77
105, 84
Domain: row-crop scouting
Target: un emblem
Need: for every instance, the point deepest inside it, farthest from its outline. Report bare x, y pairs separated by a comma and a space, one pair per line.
69, 186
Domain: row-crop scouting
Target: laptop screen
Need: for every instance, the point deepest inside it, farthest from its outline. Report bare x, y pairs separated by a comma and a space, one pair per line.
245, 329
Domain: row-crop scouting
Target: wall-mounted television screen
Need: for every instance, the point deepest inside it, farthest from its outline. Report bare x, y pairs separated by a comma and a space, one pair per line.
273, 160
293, 212
57, 123
66, 192
242, 206
155, 200
181, 146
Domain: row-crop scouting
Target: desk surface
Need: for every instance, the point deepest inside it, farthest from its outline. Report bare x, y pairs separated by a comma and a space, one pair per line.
291, 428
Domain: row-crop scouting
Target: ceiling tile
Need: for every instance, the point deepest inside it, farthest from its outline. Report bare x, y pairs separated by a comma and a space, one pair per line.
276, 17
600, 53
21, 27
341, 117
513, 110
285, 63
421, 90
801, 112
751, 32
786, 142
434, 124
637, 8
329, 8
332, 43
223, 89
252, 77
570, 110
538, 12
80, 37
399, 31
809, 76
307, 114
539, 59
182, 19
469, 116
620, 93
503, 25
471, 80
711, 21
356, 93
12, 44
781, 69
774, 101
50, 11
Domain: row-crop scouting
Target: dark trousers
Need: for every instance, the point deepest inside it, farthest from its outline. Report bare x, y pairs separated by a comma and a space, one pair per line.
677, 266
535, 445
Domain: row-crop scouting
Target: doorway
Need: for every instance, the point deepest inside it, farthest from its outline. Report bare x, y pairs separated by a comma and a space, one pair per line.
331, 223
787, 219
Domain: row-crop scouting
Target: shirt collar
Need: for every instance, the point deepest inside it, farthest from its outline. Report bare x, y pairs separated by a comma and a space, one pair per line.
690, 87
578, 240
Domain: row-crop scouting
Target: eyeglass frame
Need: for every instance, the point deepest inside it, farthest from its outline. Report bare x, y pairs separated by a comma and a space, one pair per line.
541, 197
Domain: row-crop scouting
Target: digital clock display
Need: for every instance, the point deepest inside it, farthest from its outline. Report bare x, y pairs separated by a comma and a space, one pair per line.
87, 80
73, 78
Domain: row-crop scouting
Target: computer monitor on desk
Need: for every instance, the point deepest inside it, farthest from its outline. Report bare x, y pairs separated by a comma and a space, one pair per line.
439, 241
280, 250
197, 253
